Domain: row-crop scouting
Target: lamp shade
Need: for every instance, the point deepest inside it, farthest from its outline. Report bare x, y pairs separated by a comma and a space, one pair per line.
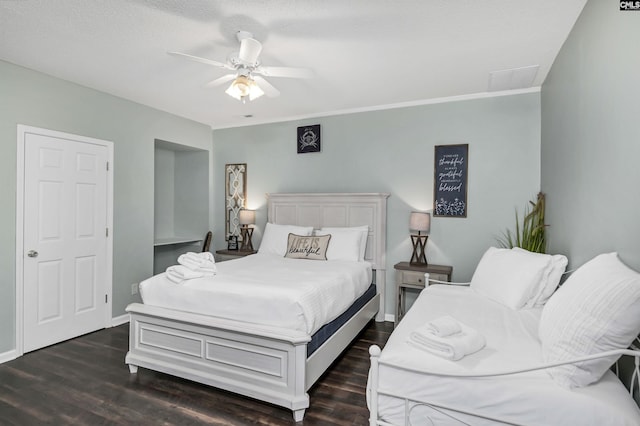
247, 217
244, 86
419, 221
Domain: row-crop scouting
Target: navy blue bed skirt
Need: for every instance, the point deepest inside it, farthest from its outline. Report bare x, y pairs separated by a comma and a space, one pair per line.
328, 329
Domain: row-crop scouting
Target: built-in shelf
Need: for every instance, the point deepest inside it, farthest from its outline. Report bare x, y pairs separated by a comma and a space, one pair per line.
175, 240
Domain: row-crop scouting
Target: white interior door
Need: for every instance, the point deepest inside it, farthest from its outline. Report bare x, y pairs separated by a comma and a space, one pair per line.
64, 239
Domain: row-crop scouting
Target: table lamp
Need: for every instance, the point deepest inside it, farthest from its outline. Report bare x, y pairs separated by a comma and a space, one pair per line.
247, 217
421, 222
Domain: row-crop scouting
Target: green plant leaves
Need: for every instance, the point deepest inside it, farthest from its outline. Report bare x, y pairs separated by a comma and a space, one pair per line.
531, 233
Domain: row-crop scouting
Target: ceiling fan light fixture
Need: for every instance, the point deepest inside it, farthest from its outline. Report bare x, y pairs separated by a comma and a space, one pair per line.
255, 91
242, 87
239, 87
247, 72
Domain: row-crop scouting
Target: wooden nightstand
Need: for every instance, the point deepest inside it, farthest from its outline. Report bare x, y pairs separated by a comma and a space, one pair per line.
412, 276
222, 255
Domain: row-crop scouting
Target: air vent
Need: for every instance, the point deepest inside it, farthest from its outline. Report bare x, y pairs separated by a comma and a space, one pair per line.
514, 78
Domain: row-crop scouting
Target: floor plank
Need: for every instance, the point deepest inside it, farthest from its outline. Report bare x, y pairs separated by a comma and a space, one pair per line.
84, 381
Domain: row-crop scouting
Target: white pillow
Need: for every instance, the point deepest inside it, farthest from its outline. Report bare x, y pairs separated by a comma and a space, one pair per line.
509, 277
551, 277
363, 231
343, 245
274, 239
558, 266
597, 309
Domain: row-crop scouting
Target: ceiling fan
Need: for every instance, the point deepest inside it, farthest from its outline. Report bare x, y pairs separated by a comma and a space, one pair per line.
247, 70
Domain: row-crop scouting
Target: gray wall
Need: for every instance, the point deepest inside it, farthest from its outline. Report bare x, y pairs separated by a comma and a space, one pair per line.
31, 98
591, 137
392, 151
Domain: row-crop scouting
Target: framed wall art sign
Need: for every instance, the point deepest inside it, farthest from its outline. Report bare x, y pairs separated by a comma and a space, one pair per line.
308, 139
450, 180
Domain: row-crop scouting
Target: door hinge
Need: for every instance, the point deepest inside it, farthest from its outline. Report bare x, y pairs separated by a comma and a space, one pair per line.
107, 166
107, 232
106, 298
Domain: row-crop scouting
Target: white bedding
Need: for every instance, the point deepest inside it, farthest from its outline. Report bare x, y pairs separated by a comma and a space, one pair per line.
512, 342
267, 289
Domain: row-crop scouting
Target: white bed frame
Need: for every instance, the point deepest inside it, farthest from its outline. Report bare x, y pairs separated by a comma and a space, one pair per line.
266, 363
410, 403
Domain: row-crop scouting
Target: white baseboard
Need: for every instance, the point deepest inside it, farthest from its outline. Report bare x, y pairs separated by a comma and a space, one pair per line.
8, 356
122, 319
390, 317
13, 354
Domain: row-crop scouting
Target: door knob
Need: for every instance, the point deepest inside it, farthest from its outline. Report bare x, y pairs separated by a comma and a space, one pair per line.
32, 253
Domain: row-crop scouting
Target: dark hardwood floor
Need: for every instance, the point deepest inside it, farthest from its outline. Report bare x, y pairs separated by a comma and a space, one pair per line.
84, 381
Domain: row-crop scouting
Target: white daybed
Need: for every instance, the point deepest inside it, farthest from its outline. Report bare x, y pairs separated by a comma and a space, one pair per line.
264, 362
506, 382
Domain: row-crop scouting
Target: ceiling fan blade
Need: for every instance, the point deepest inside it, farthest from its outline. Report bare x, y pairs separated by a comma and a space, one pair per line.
268, 89
221, 80
285, 72
201, 60
250, 49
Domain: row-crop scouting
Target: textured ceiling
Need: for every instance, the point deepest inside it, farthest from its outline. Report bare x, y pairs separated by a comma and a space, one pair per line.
365, 54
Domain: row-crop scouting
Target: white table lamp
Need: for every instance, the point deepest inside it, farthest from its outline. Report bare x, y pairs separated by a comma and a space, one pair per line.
421, 222
246, 218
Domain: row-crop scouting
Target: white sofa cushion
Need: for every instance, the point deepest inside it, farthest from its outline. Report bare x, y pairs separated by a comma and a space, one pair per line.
596, 310
551, 277
509, 277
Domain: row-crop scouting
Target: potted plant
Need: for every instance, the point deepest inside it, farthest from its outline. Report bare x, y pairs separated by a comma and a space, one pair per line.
531, 233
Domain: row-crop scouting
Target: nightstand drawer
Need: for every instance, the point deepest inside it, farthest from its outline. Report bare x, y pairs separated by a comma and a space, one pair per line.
413, 278
417, 278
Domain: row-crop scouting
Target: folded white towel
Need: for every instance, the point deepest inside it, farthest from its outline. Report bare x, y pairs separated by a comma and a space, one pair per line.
204, 256
444, 326
453, 347
196, 266
200, 262
180, 273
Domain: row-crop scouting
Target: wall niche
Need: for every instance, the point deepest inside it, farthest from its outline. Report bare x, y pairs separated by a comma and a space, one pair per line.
181, 201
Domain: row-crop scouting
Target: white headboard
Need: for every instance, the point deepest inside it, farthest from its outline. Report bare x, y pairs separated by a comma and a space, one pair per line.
339, 209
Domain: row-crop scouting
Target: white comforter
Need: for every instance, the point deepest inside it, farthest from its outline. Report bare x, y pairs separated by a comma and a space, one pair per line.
296, 294
511, 342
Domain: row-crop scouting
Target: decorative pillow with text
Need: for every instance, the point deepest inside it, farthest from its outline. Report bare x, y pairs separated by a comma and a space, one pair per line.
303, 247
